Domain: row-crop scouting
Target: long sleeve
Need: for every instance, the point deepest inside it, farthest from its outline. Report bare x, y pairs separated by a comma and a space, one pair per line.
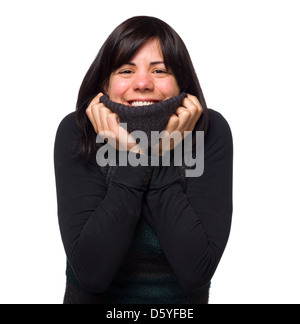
97, 224
193, 226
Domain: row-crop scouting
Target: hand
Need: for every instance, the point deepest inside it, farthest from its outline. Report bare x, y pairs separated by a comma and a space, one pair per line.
182, 120
106, 124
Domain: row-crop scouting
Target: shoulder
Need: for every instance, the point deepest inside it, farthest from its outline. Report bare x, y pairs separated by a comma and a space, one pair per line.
217, 123
68, 124
67, 134
68, 129
218, 141
219, 129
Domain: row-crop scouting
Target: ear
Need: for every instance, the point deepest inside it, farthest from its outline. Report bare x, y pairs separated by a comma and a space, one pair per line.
105, 89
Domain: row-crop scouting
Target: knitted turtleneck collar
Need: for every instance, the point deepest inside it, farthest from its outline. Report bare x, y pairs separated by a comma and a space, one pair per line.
145, 118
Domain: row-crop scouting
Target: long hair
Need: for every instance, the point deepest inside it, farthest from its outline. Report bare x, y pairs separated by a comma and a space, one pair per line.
118, 49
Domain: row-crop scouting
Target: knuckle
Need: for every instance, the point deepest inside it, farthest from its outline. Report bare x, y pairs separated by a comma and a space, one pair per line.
112, 116
88, 110
97, 106
104, 110
192, 97
174, 119
194, 108
186, 114
93, 107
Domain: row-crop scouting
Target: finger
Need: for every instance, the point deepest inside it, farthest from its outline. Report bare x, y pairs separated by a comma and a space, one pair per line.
104, 113
192, 105
171, 134
96, 99
124, 140
89, 111
179, 110
113, 122
189, 105
195, 105
184, 118
172, 124
91, 118
96, 113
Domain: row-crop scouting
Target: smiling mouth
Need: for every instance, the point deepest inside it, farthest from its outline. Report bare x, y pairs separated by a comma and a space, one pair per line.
137, 103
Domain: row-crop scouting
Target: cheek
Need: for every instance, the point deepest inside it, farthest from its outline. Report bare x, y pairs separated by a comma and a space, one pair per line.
117, 88
169, 87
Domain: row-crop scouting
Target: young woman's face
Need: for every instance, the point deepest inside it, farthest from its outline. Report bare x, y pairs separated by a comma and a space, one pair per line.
144, 80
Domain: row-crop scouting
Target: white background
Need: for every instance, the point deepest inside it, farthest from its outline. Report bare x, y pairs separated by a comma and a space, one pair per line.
246, 54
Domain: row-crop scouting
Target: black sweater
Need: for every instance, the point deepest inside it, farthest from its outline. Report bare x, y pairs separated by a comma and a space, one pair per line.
100, 226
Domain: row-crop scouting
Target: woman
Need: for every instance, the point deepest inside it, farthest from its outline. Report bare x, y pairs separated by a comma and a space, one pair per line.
141, 234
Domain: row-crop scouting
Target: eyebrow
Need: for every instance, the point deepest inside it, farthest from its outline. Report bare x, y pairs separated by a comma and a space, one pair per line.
151, 63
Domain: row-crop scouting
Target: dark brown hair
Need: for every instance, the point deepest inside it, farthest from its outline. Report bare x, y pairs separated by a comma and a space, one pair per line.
118, 49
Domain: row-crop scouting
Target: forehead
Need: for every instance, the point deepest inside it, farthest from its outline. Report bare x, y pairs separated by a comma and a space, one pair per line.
150, 51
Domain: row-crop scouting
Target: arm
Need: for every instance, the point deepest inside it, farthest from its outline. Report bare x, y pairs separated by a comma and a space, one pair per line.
96, 224
193, 227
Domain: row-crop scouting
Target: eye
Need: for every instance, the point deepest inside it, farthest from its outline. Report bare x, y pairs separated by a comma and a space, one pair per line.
158, 71
125, 72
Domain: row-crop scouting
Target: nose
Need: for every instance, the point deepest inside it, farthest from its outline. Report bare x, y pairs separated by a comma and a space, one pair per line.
143, 82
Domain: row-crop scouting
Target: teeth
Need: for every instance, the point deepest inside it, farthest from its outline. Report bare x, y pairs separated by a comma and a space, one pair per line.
142, 103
